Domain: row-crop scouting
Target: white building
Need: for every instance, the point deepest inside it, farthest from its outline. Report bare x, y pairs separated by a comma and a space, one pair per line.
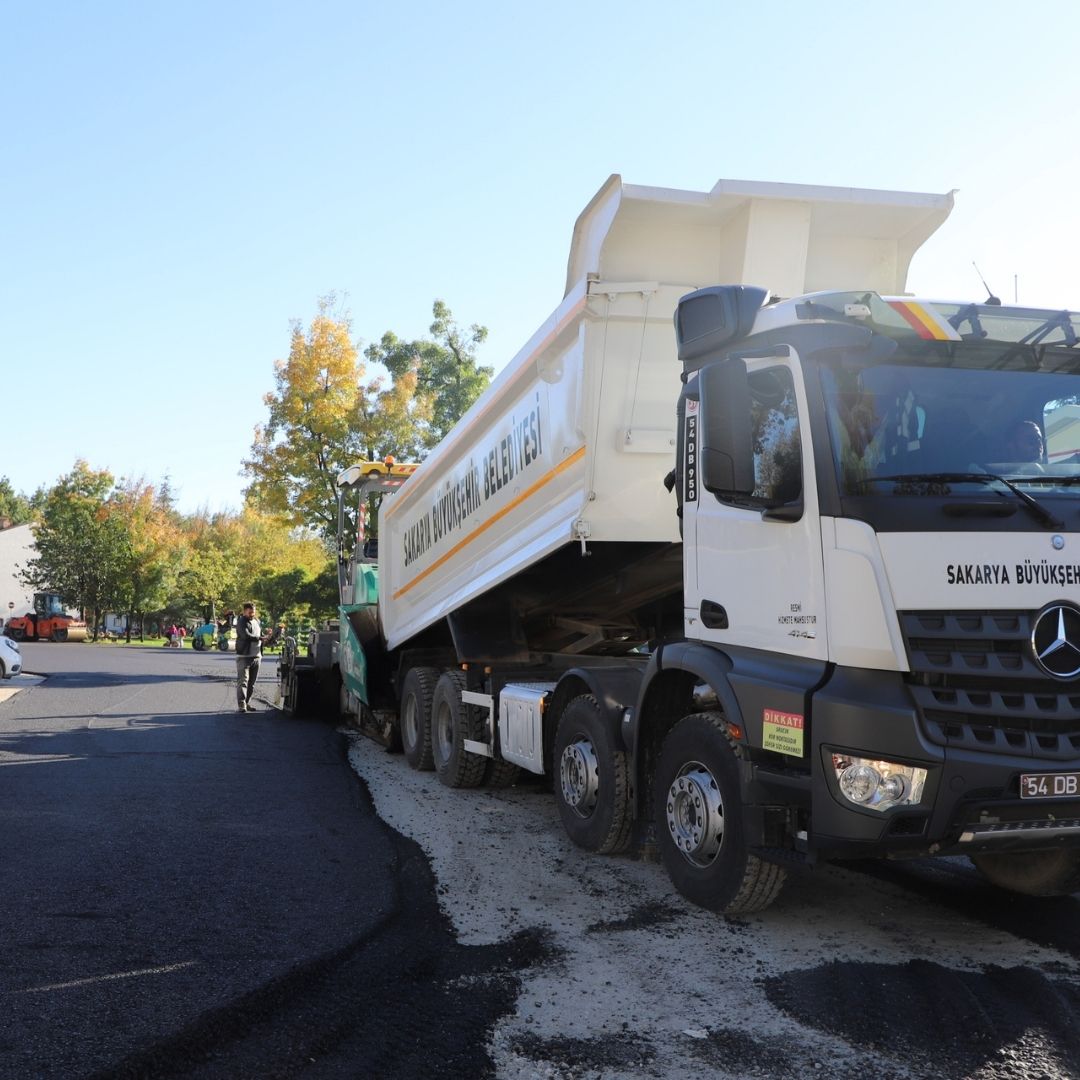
16, 550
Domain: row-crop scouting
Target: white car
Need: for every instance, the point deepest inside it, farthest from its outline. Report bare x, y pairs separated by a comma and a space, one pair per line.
10, 658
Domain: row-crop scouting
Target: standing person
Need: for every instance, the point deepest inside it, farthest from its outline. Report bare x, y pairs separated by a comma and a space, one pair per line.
249, 643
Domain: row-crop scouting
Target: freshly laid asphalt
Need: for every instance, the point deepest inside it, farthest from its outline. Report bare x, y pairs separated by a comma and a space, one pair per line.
188, 890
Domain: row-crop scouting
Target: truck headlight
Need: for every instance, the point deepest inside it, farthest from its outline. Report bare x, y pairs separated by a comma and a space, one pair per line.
878, 785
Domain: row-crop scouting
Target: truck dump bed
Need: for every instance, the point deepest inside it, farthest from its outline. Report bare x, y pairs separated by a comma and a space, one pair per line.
567, 450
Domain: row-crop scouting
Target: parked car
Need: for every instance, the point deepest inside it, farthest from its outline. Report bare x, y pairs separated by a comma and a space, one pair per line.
10, 658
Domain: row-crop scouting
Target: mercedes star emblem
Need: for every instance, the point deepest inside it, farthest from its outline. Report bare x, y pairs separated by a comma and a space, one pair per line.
1055, 640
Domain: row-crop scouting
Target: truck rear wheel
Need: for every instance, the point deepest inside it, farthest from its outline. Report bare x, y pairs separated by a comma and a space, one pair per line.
500, 774
1054, 872
699, 821
416, 694
591, 786
452, 722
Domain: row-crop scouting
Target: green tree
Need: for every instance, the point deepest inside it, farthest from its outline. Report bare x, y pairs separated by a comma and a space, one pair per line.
323, 418
281, 595
13, 506
80, 546
448, 378
319, 595
209, 573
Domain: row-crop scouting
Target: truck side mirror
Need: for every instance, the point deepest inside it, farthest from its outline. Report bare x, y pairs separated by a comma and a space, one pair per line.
708, 319
727, 451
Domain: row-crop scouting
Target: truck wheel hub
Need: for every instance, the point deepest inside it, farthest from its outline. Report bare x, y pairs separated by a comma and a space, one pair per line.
695, 814
580, 777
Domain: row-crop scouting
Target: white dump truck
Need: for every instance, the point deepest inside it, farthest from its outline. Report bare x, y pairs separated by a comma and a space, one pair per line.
757, 572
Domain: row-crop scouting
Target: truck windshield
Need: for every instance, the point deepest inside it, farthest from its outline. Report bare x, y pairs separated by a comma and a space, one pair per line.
939, 411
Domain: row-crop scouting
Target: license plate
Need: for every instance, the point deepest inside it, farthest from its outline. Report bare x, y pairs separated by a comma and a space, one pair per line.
1061, 785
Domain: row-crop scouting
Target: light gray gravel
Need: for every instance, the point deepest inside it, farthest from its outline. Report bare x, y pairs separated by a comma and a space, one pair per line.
645, 985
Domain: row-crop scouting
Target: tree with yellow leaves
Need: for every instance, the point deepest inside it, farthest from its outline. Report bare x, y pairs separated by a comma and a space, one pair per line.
151, 551
324, 417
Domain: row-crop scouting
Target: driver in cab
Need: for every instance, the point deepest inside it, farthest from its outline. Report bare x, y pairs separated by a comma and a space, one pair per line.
1024, 444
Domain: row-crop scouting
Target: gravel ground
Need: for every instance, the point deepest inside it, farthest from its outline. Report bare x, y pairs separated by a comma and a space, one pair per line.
910, 971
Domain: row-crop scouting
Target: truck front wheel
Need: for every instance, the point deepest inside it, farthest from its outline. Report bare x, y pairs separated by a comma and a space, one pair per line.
699, 821
1054, 872
451, 724
416, 694
591, 786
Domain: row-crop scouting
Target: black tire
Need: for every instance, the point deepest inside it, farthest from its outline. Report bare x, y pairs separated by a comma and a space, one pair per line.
1054, 872
500, 774
59, 634
591, 783
416, 694
301, 694
197, 643
328, 689
699, 821
452, 722
289, 695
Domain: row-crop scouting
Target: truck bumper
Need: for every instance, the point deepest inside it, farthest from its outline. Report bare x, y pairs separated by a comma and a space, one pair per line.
971, 801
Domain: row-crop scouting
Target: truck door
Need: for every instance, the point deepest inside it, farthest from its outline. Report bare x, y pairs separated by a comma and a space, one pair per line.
753, 568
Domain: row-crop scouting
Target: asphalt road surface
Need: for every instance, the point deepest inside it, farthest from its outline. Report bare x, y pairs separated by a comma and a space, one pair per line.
193, 892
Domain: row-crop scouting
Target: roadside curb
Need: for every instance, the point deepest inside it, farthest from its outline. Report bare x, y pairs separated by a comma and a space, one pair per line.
23, 681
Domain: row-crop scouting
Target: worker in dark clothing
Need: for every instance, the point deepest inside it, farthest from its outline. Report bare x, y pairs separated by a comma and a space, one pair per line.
249, 644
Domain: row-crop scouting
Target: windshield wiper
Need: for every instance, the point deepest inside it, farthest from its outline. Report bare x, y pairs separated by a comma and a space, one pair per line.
1053, 479
1047, 517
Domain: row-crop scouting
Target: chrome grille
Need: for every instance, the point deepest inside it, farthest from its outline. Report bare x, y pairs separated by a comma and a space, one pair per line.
976, 686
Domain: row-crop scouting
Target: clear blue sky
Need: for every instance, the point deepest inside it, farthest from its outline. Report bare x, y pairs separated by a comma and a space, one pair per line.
180, 181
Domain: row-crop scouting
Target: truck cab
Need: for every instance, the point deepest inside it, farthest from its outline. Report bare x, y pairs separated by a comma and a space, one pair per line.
886, 574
